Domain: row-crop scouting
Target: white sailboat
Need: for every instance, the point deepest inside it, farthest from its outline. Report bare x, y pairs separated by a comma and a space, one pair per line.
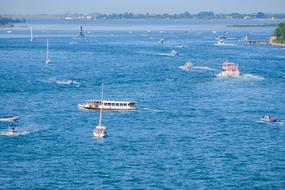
100, 130
47, 58
32, 37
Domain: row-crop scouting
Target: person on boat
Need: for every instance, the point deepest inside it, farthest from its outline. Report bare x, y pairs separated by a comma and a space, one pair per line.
13, 130
272, 119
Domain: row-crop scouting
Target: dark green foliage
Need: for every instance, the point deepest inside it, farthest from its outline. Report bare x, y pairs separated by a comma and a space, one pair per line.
7, 21
279, 33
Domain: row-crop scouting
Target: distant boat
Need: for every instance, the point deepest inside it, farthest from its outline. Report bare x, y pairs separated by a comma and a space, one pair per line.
47, 58
100, 130
162, 40
221, 42
68, 82
229, 70
187, 66
173, 53
267, 119
9, 119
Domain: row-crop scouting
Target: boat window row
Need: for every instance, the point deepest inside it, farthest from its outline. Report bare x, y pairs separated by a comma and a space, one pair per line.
116, 104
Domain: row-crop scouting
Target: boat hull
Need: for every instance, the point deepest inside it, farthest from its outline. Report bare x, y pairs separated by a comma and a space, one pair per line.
229, 74
9, 119
99, 132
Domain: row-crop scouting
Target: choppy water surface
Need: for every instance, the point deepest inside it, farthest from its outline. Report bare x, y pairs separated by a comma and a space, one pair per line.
191, 131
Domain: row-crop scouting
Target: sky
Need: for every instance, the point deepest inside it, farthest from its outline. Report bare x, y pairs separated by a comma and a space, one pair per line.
21, 7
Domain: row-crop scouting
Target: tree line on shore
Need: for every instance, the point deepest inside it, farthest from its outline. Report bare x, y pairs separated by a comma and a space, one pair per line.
9, 21
279, 33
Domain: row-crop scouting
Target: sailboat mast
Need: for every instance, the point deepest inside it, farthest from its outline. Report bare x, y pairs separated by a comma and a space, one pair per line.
31, 34
100, 117
47, 50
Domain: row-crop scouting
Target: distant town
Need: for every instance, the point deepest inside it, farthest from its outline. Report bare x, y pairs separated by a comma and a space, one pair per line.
127, 15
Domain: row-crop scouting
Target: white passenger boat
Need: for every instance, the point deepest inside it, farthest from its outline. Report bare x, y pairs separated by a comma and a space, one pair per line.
229, 70
108, 105
9, 119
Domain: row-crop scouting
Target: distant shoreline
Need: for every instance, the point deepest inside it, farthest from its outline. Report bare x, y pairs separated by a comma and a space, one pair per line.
251, 25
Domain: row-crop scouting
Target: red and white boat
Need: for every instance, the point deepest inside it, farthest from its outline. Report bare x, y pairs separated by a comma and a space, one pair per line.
229, 70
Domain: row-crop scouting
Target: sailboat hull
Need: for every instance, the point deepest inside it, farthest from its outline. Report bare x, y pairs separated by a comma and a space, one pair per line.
99, 132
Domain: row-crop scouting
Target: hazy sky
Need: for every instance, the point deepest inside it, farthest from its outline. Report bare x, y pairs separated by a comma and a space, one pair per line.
139, 6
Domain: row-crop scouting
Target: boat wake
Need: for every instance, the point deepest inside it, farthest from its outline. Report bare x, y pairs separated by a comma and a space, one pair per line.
196, 68
251, 76
244, 76
205, 68
173, 53
151, 110
22, 131
61, 82
225, 44
68, 82
18, 133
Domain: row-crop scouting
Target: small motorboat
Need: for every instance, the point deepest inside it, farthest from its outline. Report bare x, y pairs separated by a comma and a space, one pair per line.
162, 40
68, 82
229, 70
9, 119
173, 53
187, 66
267, 119
221, 42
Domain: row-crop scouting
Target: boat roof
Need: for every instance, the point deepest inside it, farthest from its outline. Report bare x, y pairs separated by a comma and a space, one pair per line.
229, 63
111, 101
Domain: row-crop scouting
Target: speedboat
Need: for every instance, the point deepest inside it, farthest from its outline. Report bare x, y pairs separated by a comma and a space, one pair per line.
267, 119
221, 42
162, 40
9, 119
187, 66
229, 70
68, 82
173, 53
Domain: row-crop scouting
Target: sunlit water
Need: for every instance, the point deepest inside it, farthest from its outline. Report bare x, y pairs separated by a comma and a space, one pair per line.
191, 131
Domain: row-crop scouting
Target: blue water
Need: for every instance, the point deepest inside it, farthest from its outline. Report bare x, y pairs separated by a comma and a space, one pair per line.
191, 131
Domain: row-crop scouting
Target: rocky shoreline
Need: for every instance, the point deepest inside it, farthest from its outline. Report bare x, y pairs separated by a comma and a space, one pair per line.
272, 43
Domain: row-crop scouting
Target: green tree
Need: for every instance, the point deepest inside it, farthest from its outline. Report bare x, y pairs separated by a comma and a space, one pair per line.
279, 33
